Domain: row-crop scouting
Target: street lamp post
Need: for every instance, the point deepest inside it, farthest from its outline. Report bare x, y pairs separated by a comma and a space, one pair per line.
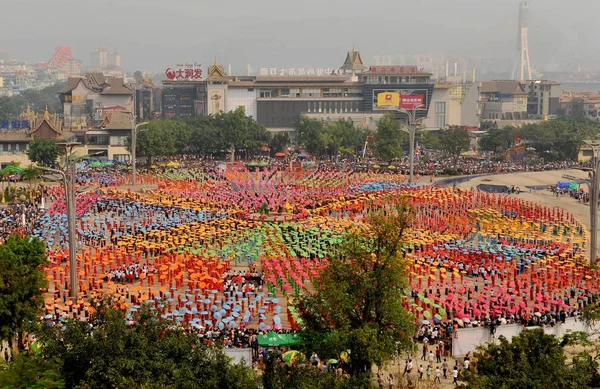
134, 132
594, 184
68, 179
69, 201
411, 129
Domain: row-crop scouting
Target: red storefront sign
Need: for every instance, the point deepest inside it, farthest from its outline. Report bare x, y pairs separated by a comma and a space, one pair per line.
412, 101
184, 72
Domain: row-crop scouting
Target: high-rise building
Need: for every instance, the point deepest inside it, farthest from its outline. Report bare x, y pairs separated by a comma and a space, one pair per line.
4, 56
114, 60
99, 58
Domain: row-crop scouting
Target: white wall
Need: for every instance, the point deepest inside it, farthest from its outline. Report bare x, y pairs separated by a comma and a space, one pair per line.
239, 354
237, 97
467, 339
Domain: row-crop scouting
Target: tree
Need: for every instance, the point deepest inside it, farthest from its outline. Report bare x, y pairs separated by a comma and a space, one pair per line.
357, 302
344, 137
11, 107
22, 281
532, 360
311, 135
30, 174
499, 140
389, 138
106, 352
454, 141
31, 371
234, 126
44, 152
157, 140
279, 142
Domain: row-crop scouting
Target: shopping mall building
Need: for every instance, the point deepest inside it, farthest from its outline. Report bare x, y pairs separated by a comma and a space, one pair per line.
277, 97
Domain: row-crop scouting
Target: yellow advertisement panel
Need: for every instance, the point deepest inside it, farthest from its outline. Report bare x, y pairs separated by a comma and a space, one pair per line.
388, 99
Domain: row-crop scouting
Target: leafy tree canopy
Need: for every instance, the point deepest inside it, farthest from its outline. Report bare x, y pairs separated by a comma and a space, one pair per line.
357, 303
389, 138
44, 152
532, 360
106, 352
22, 281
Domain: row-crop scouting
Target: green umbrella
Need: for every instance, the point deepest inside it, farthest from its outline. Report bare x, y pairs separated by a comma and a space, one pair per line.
13, 169
427, 314
333, 361
438, 316
291, 356
442, 311
426, 301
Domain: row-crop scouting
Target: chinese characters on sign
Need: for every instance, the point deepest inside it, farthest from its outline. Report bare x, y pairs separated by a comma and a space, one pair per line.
188, 71
14, 124
302, 72
395, 69
410, 102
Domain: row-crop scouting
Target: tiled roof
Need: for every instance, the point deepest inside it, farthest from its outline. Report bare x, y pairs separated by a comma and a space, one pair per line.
99, 83
117, 120
504, 87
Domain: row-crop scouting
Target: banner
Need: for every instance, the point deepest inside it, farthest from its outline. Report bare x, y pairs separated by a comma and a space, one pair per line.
388, 99
412, 101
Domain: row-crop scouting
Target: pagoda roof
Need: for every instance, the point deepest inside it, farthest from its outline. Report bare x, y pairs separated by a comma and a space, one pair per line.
46, 120
216, 72
353, 61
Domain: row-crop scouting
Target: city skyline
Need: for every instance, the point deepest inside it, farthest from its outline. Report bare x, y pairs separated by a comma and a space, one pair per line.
303, 34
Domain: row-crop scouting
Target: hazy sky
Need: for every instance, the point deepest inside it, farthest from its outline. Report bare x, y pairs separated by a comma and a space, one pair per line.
155, 34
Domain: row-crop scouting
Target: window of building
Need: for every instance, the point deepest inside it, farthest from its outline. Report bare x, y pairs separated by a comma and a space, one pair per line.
122, 158
311, 92
440, 114
98, 139
118, 140
265, 93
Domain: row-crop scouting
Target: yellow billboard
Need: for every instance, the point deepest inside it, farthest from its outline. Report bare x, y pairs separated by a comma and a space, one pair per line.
388, 99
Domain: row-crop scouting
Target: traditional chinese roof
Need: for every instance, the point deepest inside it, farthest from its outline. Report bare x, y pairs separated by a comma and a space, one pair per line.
508, 87
216, 72
99, 83
353, 61
55, 127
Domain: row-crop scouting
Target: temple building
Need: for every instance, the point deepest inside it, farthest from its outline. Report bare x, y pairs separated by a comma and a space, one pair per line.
15, 143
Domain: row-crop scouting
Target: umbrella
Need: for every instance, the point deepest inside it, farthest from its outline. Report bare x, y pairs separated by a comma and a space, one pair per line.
13, 169
291, 356
280, 154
